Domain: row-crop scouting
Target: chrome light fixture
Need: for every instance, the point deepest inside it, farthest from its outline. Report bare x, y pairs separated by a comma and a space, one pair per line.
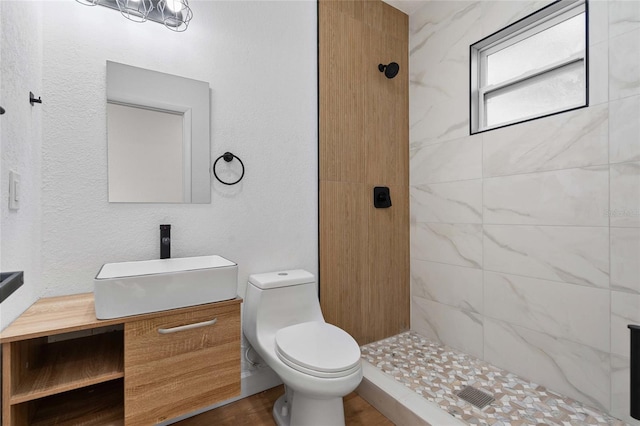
135, 10
173, 14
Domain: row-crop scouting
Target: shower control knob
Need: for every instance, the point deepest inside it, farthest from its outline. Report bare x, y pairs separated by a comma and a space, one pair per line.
381, 197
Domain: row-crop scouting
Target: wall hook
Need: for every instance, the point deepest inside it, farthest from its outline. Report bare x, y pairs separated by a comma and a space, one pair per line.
33, 100
1, 110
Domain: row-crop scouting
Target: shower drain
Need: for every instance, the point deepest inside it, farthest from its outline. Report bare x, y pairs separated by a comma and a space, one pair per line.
475, 397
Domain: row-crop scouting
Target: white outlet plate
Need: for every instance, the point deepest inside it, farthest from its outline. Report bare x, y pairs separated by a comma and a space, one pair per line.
14, 191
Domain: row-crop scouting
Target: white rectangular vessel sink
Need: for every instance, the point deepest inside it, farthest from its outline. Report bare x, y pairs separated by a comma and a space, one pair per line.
132, 288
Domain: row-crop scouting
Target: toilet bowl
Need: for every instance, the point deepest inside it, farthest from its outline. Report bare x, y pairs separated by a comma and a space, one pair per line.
319, 363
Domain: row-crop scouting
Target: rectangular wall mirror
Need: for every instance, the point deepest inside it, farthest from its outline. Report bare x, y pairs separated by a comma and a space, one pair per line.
157, 137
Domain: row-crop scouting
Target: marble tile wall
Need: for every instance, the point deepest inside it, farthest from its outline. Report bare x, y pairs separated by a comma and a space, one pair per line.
525, 241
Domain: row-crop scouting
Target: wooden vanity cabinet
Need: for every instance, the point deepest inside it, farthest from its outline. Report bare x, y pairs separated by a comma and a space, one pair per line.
62, 366
175, 364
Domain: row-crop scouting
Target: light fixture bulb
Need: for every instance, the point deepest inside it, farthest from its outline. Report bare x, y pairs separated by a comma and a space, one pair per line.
176, 14
175, 5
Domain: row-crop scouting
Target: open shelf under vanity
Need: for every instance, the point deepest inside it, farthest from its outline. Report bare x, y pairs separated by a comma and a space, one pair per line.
50, 368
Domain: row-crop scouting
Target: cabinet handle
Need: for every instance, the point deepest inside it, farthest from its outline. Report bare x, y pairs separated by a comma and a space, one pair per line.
187, 327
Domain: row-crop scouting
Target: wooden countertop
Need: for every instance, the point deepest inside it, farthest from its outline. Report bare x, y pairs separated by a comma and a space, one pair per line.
64, 314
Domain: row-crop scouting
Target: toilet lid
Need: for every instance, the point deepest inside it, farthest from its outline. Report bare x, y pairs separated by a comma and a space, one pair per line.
318, 346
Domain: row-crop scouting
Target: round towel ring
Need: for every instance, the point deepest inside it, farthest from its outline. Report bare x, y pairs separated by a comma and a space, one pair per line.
228, 157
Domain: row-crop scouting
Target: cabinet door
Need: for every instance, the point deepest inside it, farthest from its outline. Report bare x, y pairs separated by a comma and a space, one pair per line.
178, 363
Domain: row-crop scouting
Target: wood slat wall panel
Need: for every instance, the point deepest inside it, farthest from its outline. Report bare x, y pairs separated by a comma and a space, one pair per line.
344, 271
351, 8
387, 293
364, 142
341, 116
386, 114
396, 24
373, 17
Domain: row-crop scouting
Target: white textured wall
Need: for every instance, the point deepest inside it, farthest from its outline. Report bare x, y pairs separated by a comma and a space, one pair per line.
21, 138
260, 60
514, 255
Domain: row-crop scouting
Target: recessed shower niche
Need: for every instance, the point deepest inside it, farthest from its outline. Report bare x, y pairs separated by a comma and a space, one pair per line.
157, 137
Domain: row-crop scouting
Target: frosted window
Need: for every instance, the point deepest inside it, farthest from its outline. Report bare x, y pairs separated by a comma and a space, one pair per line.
530, 69
562, 89
547, 47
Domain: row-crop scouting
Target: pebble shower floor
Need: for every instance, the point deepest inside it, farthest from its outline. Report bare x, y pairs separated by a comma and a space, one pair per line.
438, 372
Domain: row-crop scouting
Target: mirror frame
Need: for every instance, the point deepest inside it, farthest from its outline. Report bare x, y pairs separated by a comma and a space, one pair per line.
133, 86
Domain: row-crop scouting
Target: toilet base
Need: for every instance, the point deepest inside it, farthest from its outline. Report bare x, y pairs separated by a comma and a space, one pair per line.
282, 411
295, 409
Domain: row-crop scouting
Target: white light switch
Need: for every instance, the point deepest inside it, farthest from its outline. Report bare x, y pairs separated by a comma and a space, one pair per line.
14, 191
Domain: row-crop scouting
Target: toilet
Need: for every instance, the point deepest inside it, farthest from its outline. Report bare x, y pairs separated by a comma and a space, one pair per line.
319, 363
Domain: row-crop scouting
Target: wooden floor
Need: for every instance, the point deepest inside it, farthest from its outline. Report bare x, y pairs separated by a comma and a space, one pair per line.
256, 411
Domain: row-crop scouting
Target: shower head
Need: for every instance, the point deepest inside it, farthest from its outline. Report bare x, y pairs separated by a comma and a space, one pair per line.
390, 70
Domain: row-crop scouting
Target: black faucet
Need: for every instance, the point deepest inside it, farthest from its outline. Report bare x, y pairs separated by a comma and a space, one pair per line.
165, 241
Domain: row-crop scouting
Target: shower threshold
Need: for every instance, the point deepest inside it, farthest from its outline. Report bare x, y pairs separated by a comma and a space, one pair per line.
415, 381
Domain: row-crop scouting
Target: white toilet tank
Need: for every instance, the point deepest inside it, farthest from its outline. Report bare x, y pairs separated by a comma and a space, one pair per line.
275, 300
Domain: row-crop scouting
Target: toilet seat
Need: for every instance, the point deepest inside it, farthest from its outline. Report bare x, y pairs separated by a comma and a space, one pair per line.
318, 349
